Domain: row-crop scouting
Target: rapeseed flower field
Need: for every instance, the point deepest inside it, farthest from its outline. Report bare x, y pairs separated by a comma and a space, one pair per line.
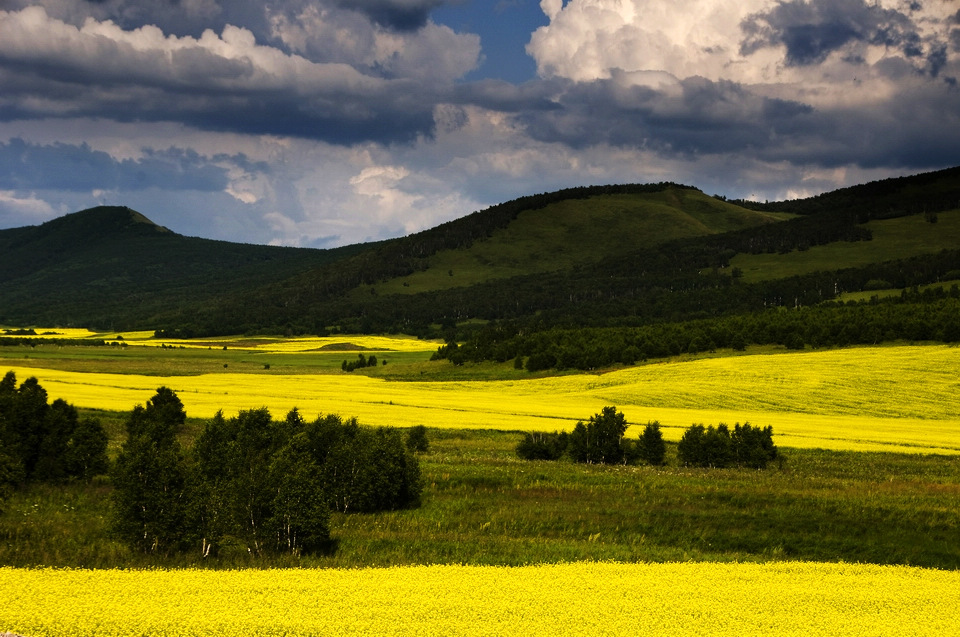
902, 398
286, 345
253, 343
786, 598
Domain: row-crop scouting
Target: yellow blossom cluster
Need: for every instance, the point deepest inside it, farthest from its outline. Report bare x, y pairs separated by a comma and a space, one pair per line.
788, 598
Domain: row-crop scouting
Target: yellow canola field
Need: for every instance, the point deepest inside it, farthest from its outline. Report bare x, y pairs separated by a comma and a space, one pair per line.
254, 343
885, 398
55, 332
341, 342
689, 599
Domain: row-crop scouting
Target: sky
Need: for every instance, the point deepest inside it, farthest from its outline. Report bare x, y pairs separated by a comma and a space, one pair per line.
330, 122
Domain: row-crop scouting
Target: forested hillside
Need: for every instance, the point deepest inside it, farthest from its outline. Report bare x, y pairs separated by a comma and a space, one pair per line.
113, 268
602, 257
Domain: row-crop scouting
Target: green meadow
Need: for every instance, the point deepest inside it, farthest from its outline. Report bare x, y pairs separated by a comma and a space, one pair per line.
899, 238
483, 505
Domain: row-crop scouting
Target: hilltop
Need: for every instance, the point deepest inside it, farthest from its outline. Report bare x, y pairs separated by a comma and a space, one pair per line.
112, 267
628, 254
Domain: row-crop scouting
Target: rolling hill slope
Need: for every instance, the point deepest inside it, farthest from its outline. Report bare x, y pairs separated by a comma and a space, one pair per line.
574, 232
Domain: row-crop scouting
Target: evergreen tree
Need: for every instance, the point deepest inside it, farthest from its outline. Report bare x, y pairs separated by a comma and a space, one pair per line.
753, 446
600, 440
651, 448
717, 447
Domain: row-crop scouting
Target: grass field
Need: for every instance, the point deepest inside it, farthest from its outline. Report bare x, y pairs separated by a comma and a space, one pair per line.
898, 238
484, 506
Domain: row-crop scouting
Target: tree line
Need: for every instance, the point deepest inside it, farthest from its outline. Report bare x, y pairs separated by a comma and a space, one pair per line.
601, 440
914, 315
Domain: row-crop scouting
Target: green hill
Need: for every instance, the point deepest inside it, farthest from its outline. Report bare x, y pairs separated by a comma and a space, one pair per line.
629, 254
574, 232
113, 268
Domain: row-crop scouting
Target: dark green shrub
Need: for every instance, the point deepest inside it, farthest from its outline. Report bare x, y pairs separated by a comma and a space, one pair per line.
542, 446
753, 446
600, 440
417, 441
705, 447
650, 447
540, 361
361, 362
48, 442
716, 447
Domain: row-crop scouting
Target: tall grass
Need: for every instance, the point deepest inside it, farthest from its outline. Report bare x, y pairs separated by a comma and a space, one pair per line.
482, 505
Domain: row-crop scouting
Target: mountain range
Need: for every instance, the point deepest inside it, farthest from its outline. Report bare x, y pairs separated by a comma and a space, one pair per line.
604, 255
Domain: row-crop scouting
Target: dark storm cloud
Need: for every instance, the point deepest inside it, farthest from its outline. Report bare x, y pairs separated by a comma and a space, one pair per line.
401, 15
250, 76
225, 83
810, 31
701, 117
79, 168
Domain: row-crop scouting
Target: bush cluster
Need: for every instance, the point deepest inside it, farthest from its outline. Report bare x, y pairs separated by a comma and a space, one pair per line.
745, 446
252, 482
361, 362
601, 441
598, 441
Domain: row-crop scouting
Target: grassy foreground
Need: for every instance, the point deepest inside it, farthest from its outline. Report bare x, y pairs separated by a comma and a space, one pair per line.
483, 506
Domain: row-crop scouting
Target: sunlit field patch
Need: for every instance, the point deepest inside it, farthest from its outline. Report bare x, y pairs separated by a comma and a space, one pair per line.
788, 598
885, 398
340, 342
51, 332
